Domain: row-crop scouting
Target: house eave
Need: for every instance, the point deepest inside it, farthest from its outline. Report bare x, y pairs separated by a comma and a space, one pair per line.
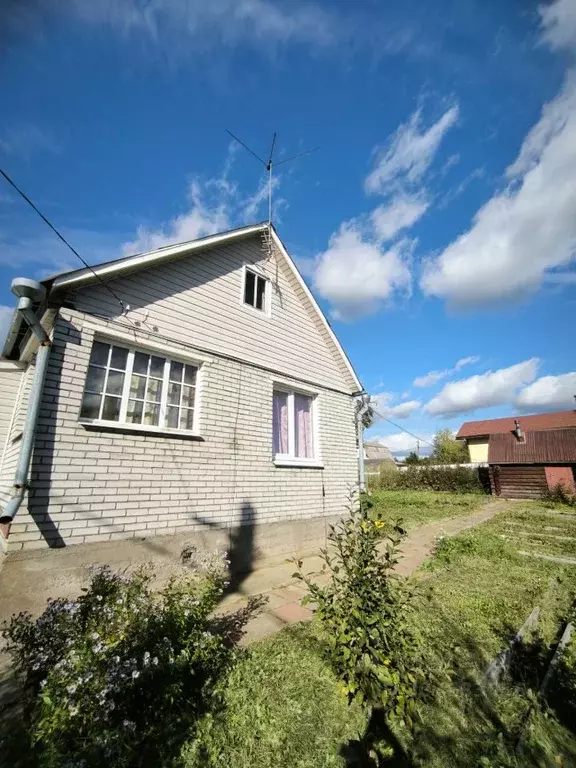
119, 267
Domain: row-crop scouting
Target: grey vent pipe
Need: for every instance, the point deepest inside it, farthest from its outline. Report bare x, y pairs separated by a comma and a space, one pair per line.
28, 292
364, 406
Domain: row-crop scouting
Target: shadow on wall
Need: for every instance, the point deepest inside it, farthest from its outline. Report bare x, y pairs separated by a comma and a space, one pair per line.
43, 456
241, 550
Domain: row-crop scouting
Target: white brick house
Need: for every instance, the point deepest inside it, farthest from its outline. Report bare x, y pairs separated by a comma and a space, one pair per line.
213, 394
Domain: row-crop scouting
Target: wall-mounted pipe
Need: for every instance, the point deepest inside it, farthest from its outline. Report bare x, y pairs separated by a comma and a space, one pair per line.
361, 412
27, 290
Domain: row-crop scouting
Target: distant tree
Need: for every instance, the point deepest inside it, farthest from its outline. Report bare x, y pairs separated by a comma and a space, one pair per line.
447, 450
412, 458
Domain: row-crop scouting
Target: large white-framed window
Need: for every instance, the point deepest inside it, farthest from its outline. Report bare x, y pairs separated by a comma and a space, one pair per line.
139, 389
255, 289
295, 427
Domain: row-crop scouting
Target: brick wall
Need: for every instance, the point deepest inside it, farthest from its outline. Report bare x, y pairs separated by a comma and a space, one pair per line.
560, 475
94, 486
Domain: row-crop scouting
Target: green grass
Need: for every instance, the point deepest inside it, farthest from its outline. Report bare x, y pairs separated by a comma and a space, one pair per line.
284, 705
480, 593
540, 527
420, 507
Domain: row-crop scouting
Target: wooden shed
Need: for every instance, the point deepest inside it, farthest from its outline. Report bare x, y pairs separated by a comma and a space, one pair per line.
525, 465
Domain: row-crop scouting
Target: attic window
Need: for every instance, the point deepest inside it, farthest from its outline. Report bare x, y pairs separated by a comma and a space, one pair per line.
255, 289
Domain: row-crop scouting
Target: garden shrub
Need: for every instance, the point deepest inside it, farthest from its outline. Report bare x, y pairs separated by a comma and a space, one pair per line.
120, 675
560, 494
365, 611
435, 478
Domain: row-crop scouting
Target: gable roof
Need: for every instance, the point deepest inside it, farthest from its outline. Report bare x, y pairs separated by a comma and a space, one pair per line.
536, 422
376, 452
110, 270
549, 446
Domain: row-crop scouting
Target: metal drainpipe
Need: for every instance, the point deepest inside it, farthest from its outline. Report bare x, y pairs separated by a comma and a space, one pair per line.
29, 431
361, 411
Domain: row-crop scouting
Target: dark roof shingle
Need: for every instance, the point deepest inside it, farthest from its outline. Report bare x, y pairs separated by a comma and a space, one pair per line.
551, 446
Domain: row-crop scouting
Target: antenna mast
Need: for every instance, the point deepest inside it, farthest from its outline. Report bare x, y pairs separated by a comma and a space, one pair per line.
270, 164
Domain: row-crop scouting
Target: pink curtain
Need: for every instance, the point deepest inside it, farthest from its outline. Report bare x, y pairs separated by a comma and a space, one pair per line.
280, 422
303, 418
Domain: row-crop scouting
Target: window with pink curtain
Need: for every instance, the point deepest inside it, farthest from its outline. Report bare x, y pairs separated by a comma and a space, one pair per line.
280, 422
303, 427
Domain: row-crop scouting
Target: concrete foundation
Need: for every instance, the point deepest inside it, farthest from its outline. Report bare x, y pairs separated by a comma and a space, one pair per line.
29, 578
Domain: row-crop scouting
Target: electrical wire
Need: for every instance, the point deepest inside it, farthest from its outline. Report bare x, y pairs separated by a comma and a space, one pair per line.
61, 237
421, 439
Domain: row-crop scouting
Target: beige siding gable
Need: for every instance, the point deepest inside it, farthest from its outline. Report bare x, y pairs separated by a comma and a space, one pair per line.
198, 300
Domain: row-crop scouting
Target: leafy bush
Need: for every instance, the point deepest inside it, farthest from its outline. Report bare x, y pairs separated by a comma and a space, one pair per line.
560, 494
364, 610
121, 675
435, 478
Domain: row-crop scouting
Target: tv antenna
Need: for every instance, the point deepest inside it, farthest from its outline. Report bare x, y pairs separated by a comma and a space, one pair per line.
270, 164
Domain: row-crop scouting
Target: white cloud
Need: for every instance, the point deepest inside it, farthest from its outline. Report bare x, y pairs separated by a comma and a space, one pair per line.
5, 318
356, 273
549, 393
529, 227
402, 212
433, 377
381, 403
484, 390
215, 22
409, 151
214, 205
357, 276
559, 24
200, 220
402, 443
25, 140
561, 278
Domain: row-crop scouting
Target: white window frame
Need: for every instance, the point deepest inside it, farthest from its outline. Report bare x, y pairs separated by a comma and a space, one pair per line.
122, 423
290, 459
266, 308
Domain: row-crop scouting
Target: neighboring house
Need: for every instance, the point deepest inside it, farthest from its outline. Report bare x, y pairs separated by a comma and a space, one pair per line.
526, 454
377, 456
215, 395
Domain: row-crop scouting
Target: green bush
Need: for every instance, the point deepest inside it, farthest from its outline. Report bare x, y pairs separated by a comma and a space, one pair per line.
435, 478
364, 610
560, 495
121, 675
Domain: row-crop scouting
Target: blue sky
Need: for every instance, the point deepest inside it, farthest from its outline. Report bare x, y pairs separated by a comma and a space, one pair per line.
437, 223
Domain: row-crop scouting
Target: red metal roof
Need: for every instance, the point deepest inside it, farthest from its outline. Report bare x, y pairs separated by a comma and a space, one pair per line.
548, 446
539, 421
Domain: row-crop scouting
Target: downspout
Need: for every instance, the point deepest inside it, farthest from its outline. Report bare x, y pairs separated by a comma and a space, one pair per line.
27, 292
362, 410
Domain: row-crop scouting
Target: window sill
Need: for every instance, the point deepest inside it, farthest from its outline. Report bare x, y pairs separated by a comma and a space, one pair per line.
302, 463
140, 429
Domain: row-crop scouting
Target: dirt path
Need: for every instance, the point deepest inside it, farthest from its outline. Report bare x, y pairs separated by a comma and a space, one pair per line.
420, 542
284, 593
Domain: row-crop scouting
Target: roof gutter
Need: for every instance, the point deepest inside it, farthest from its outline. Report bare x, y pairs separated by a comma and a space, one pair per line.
27, 292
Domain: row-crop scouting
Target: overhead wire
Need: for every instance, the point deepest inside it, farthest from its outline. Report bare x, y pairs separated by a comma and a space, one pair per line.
421, 439
25, 197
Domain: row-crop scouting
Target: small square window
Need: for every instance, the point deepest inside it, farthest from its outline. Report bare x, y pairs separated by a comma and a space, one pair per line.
254, 289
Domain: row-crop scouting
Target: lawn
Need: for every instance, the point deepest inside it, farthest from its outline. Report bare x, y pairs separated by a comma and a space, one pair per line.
420, 507
284, 706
